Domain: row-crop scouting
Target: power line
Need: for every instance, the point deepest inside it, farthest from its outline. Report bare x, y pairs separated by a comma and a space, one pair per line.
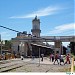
17, 31
9, 28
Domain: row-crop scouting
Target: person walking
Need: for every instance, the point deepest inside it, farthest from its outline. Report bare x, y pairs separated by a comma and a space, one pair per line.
52, 57
56, 58
67, 59
33, 56
42, 55
61, 59
21, 57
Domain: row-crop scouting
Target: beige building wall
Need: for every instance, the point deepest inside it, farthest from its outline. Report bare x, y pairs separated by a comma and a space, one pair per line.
19, 47
58, 46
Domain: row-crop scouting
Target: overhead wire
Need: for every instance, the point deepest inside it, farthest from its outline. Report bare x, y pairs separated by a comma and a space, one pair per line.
9, 28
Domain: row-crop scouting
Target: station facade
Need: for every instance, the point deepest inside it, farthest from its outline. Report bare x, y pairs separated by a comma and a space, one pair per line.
31, 44
26, 45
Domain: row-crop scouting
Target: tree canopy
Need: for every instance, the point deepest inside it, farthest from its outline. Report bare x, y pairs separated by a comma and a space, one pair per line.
72, 46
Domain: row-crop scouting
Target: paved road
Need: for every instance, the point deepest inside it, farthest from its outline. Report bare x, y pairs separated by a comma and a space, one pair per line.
32, 65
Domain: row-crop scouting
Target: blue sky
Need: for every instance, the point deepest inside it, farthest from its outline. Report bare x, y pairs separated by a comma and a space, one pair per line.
56, 16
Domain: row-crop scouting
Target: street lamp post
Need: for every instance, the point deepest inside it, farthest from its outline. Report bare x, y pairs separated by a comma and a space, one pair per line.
54, 45
39, 56
1, 47
1, 43
62, 48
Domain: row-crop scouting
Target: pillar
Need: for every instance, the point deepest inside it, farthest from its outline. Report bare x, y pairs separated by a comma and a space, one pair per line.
58, 47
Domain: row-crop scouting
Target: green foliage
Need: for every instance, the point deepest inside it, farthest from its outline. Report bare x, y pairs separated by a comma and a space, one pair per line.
7, 45
72, 55
74, 58
74, 68
72, 46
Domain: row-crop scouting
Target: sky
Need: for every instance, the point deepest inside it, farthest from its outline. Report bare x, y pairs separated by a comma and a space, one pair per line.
56, 16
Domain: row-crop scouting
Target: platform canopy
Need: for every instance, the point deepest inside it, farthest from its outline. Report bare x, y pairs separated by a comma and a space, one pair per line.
39, 45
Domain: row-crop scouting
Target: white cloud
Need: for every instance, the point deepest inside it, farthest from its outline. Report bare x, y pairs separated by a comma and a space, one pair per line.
42, 12
63, 28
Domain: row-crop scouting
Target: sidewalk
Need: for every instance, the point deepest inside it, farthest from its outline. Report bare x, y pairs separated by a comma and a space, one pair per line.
37, 61
46, 61
32, 65
28, 60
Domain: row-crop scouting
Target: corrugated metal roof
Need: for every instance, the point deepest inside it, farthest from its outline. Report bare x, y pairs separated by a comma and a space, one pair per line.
40, 45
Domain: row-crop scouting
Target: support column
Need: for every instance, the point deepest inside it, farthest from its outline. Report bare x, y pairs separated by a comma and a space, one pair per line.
58, 46
26, 49
21, 48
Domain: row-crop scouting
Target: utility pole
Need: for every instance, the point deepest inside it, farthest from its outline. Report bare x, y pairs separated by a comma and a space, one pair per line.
0, 44
39, 56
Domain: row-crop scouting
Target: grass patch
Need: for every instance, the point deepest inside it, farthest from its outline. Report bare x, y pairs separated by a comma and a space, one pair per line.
65, 70
74, 68
73, 56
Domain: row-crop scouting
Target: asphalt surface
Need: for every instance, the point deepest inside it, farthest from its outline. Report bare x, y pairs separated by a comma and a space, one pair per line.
34, 65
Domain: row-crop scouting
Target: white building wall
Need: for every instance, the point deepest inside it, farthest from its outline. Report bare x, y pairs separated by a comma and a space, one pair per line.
22, 47
15, 47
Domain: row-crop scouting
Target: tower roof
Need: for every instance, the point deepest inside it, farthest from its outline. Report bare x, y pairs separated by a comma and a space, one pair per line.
36, 19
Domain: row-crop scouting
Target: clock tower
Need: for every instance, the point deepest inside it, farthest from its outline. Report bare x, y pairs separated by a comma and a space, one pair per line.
36, 27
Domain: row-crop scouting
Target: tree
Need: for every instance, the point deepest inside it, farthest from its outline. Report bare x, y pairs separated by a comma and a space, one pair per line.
64, 50
7, 45
72, 46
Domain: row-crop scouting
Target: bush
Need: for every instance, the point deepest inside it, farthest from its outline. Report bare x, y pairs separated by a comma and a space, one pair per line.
74, 68
74, 58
